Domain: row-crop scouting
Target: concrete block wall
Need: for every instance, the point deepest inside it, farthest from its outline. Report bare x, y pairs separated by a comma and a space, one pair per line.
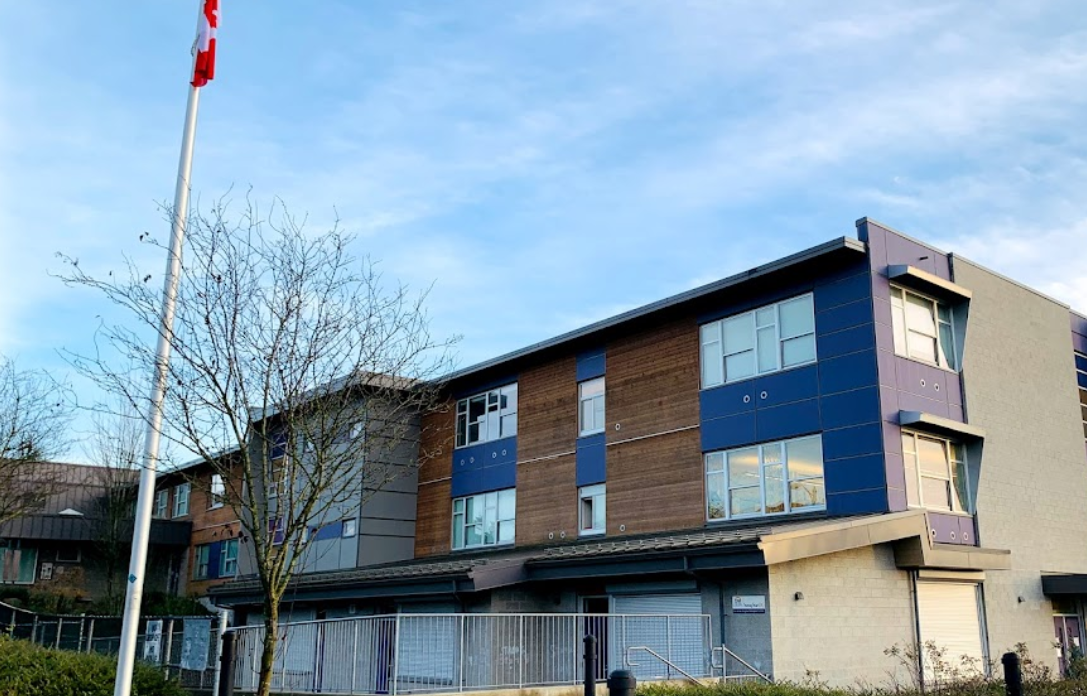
855, 605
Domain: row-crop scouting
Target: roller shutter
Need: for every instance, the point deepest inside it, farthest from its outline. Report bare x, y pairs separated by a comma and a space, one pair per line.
428, 644
949, 616
668, 624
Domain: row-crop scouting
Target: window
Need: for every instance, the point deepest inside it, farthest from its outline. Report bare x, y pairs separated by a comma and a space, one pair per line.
764, 340
203, 557
162, 503
488, 416
18, 566
769, 479
590, 396
228, 558
935, 473
923, 328
181, 499
350, 528
277, 476
68, 554
217, 492
592, 510
1081, 379
486, 519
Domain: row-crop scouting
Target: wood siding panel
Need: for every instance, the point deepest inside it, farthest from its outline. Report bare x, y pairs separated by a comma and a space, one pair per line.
435, 521
436, 442
547, 410
546, 501
655, 484
652, 381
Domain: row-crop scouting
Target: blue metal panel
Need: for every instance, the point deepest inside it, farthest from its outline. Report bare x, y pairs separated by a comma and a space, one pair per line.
857, 287
789, 420
590, 365
851, 340
1081, 362
466, 483
848, 372
857, 502
851, 408
855, 474
485, 454
852, 442
329, 531
843, 317
213, 559
495, 478
1082, 380
730, 431
785, 387
727, 400
591, 460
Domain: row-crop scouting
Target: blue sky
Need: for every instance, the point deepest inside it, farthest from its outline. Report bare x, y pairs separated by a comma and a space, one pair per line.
545, 164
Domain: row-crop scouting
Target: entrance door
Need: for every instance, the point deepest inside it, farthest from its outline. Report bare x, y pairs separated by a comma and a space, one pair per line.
1066, 628
596, 625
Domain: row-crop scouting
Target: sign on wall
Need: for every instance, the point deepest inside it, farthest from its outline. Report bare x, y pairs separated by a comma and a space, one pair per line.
152, 641
196, 640
749, 604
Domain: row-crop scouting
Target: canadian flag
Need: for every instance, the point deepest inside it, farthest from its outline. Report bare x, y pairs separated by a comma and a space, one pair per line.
204, 69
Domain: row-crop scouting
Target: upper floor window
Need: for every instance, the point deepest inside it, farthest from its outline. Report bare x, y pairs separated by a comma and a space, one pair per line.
768, 479
935, 473
181, 499
491, 415
1081, 379
486, 519
923, 328
216, 492
767, 339
228, 558
203, 562
592, 510
162, 503
590, 396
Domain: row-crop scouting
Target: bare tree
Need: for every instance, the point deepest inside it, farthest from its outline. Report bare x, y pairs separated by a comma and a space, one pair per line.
34, 416
293, 357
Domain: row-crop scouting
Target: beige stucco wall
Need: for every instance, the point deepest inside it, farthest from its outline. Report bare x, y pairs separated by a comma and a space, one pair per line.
1020, 385
856, 605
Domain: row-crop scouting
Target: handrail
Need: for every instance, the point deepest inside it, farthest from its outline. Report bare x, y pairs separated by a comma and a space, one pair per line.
724, 650
630, 663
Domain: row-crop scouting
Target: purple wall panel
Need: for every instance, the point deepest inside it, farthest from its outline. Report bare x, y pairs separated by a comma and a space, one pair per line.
967, 531
952, 387
906, 251
896, 472
896, 499
892, 438
1079, 342
888, 404
876, 238
956, 413
887, 368
913, 402
946, 527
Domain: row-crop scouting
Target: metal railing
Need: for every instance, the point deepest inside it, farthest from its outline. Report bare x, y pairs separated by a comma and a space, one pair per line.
747, 671
430, 653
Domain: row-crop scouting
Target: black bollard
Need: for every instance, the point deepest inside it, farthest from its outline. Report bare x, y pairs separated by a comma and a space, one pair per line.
1013, 675
590, 665
621, 682
226, 666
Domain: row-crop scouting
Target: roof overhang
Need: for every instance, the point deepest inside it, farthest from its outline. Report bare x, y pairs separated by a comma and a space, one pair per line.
1071, 584
915, 278
938, 425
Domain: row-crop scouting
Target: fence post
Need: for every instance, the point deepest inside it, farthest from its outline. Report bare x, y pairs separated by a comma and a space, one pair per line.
1013, 675
34, 630
355, 656
590, 665
521, 654
396, 657
221, 630
90, 637
621, 682
60, 627
225, 684
169, 645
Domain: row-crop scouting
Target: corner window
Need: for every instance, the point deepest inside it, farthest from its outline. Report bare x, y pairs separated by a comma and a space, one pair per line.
216, 492
769, 479
487, 519
350, 528
162, 503
764, 340
228, 558
923, 328
592, 510
590, 396
935, 473
181, 499
491, 415
202, 562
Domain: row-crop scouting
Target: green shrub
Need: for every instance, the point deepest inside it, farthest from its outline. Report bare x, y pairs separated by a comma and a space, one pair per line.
29, 669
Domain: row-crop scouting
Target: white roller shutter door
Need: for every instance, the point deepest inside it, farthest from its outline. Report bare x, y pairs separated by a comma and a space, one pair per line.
949, 615
672, 627
428, 644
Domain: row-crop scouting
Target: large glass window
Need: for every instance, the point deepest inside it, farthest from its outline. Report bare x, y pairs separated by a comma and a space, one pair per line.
202, 562
162, 503
181, 499
935, 473
764, 340
18, 565
488, 416
592, 510
768, 479
923, 329
228, 559
487, 519
591, 406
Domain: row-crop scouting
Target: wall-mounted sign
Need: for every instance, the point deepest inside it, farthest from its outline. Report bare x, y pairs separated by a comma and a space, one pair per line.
749, 604
152, 641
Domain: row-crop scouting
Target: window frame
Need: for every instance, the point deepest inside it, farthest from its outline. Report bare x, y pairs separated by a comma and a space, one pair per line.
592, 399
77, 558
713, 348
202, 562
502, 416
899, 314
1079, 357
596, 497
713, 472
17, 551
216, 492
224, 558
507, 496
179, 499
162, 504
350, 528
950, 448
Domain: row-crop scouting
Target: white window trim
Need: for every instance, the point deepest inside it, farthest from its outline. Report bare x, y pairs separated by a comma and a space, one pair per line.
787, 480
498, 520
903, 351
962, 507
223, 559
196, 574
162, 504
215, 499
712, 334
490, 411
179, 498
597, 495
581, 401
350, 528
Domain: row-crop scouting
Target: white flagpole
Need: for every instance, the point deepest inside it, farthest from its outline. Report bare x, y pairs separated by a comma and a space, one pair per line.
126, 657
